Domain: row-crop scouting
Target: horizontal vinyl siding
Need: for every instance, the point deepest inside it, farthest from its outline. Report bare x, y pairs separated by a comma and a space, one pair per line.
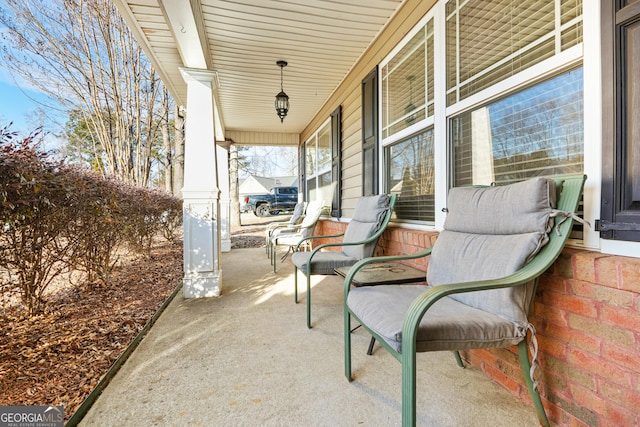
263, 138
351, 152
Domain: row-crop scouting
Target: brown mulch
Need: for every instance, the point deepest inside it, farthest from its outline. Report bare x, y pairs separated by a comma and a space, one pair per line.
248, 236
59, 356
251, 233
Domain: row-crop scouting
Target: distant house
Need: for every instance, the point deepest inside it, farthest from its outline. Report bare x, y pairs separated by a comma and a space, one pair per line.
261, 184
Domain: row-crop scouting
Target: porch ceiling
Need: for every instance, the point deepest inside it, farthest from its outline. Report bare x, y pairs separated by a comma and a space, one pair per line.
241, 40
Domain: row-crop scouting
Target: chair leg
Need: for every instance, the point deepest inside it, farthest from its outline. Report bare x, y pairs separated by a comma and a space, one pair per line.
371, 343
273, 257
309, 300
533, 391
408, 387
271, 252
370, 350
283, 257
458, 358
347, 344
295, 283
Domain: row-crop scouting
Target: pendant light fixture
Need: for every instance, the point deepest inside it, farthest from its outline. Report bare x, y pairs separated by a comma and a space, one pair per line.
408, 110
282, 100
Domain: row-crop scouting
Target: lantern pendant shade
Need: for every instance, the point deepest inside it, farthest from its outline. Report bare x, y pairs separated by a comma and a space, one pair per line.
282, 100
282, 105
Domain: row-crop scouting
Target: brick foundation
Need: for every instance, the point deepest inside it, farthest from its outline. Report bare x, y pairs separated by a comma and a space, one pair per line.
587, 316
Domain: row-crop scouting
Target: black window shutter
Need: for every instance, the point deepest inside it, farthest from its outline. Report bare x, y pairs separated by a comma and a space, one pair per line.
370, 133
302, 178
336, 160
620, 204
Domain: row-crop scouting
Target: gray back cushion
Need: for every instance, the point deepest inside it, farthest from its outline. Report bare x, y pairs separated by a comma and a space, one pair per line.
367, 218
298, 210
314, 210
490, 233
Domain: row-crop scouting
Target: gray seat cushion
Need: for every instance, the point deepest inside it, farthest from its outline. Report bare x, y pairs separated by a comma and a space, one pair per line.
323, 262
522, 207
289, 239
314, 210
298, 211
367, 218
290, 226
489, 233
302, 231
448, 324
279, 232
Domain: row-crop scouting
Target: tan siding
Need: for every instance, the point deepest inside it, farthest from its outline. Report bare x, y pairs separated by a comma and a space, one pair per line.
263, 138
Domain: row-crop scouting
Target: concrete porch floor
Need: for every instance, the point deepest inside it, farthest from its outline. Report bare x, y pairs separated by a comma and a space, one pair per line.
246, 358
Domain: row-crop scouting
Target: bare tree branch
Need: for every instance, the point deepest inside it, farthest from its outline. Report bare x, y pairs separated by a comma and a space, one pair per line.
82, 54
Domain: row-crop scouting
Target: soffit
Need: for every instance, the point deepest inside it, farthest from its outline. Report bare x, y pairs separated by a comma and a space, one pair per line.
241, 40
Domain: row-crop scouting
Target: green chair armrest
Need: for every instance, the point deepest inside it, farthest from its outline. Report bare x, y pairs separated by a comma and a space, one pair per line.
275, 226
571, 188
317, 237
374, 236
366, 261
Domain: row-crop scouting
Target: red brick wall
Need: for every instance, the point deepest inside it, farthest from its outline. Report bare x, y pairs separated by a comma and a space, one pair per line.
587, 316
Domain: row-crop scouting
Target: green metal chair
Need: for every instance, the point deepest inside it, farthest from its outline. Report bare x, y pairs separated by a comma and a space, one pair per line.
282, 227
369, 220
300, 233
483, 271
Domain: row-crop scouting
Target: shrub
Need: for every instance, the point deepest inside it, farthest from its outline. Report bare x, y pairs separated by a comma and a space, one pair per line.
97, 226
33, 192
56, 218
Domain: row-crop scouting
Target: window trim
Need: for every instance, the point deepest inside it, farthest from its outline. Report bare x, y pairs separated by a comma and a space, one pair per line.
315, 175
587, 52
336, 161
436, 14
428, 120
384, 178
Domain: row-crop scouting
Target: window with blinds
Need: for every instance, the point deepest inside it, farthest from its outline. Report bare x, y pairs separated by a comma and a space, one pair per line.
535, 132
410, 175
486, 46
488, 41
407, 84
318, 165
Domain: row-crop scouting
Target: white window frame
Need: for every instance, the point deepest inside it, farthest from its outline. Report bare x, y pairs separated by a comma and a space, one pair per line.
587, 53
419, 126
317, 173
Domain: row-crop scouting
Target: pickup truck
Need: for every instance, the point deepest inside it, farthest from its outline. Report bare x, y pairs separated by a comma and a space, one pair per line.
279, 199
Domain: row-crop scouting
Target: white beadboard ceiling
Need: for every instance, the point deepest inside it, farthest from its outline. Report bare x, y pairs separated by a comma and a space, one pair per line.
241, 40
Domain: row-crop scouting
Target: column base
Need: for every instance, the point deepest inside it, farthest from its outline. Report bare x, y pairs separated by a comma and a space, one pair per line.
202, 285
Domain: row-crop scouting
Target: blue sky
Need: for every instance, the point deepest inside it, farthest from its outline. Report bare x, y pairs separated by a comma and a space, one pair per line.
19, 104
15, 106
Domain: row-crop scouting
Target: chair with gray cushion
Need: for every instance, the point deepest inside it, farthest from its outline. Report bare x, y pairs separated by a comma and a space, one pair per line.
370, 218
482, 273
282, 227
302, 231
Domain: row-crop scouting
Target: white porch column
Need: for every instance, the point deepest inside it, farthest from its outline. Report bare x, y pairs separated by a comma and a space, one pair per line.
225, 199
201, 205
